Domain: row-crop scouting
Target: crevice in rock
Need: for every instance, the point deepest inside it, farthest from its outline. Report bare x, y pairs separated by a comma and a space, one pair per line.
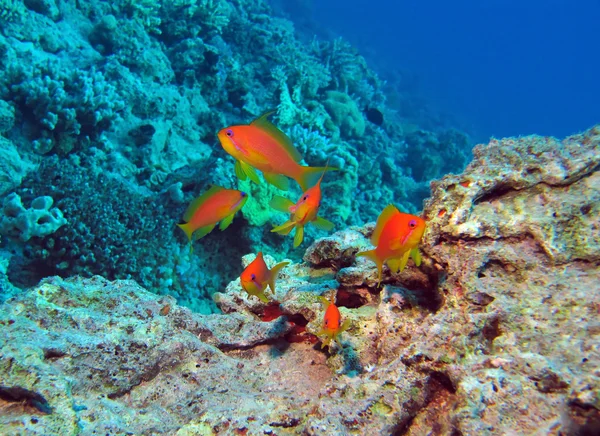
53, 354
31, 402
490, 331
348, 299
434, 410
496, 193
582, 419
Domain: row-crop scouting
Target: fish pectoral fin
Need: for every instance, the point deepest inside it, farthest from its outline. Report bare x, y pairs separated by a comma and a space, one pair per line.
285, 228
299, 236
278, 180
250, 172
203, 231
281, 204
226, 222
261, 295
323, 224
239, 172
416, 256
345, 326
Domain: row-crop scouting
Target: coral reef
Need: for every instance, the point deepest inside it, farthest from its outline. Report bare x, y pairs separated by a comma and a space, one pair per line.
495, 333
139, 89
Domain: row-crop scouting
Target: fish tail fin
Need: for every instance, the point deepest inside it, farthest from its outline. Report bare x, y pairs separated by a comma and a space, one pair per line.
274, 272
309, 176
372, 255
188, 230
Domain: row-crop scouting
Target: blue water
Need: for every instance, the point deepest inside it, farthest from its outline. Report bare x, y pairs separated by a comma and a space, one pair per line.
503, 67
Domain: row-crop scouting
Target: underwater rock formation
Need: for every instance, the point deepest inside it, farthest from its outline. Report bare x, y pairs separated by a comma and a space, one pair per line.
496, 332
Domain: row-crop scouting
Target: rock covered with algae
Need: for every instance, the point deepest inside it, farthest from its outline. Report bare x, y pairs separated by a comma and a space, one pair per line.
496, 333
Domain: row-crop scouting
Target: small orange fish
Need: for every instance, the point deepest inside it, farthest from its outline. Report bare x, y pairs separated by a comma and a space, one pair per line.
331, 324
396, 237
257, 276
262, 146
215, 205
303, 212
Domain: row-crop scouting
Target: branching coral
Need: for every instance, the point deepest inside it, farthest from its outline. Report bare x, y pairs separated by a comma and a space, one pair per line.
65, 107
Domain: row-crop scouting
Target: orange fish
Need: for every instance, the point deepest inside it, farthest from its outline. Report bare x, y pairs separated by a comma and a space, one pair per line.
257, 276
396, 237
303, 212
331, 324
262, 146
215, 205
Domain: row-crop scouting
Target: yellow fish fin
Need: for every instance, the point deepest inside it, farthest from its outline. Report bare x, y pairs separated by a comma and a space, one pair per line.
261, 295
309, 176
416, 256
281, 204
203, 231
274, 271
282, 139
372, 255
250, 172
345, 325
226, 222
324, 303
278, 180
187, 228
398, 263
299, 236
389, 211
323, 224
285, 228
239, 172
197, 202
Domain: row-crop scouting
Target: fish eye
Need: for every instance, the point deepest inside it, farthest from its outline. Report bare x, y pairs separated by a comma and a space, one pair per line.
412, 224
229, 132
253, 276
305, 198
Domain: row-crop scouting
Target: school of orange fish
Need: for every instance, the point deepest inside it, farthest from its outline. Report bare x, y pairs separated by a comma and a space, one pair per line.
262, 146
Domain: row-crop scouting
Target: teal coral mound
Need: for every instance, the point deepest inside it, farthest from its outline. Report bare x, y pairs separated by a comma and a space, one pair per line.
257, 211
348, 120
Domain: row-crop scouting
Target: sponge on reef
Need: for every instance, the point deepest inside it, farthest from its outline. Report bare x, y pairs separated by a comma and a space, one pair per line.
40, 220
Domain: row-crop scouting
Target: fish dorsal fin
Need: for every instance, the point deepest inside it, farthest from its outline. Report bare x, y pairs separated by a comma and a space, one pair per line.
385, 216
265, 125
199, 201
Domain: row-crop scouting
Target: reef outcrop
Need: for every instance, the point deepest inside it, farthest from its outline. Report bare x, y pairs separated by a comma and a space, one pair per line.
496, 333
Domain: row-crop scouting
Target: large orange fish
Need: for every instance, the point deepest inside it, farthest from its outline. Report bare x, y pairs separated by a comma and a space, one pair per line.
396, 237
257, 276
215, 205
262, 146
331, 324
303, 212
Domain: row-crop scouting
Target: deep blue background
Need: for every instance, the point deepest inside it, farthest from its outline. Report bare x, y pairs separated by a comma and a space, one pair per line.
505, 67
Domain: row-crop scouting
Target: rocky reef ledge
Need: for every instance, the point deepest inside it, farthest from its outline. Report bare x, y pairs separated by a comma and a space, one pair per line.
497, 332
